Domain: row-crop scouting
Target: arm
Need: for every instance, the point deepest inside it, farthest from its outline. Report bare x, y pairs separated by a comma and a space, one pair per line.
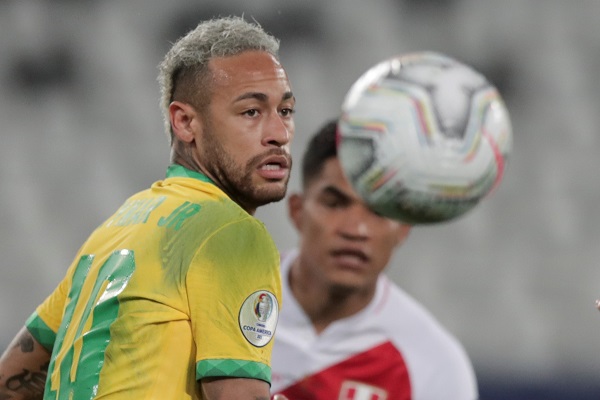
221, 285
23, 368
234, 388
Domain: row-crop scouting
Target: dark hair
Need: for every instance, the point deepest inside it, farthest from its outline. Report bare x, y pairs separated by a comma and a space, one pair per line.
321, 147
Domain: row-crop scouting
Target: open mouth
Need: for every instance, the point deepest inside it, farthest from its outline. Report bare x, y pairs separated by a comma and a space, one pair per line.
274, 168
350, 254
271, 167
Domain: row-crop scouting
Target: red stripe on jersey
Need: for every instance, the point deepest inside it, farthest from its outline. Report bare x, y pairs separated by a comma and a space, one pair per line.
379, 373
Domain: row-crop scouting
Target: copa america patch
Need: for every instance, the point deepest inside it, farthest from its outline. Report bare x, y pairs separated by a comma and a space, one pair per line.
258, 317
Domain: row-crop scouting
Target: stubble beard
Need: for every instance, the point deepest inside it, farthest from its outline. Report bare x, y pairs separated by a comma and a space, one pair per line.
236, 180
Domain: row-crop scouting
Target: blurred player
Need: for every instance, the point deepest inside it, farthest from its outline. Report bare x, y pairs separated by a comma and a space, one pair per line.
160, 301
346, 331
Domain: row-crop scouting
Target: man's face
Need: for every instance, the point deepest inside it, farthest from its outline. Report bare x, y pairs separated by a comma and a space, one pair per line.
342, 243
244, 144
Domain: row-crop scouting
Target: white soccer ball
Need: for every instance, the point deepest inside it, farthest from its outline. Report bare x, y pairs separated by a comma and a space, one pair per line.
423, 138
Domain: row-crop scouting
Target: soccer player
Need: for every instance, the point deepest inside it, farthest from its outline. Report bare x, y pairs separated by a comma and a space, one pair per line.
346, 331
161, 300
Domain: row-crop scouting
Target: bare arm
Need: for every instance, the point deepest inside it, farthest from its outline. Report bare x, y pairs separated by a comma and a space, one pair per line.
23, 368
233, 388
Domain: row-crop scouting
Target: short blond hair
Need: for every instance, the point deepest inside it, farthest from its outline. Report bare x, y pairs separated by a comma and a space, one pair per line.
184, 70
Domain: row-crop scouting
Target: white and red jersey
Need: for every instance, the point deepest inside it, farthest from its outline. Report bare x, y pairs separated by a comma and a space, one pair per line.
394, 349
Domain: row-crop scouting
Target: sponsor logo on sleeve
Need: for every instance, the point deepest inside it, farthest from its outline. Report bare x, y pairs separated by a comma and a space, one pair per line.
258, 317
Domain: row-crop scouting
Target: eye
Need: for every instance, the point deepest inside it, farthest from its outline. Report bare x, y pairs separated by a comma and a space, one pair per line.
251, 112
331, 203
287, 112
334, 202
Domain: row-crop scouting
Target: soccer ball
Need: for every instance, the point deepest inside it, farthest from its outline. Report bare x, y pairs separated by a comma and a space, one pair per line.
422, 138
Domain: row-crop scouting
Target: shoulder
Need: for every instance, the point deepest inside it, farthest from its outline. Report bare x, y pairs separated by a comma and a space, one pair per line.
436, 358
408, 320
408, 313
240, 236
202, 227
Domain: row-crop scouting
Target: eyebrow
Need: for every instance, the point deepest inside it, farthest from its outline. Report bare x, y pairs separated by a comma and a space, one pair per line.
332, 190
287, 96
262, 97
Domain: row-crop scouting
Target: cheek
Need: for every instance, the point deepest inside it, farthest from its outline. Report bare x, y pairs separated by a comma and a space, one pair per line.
237, 149
312, 230
386, 243
316, 226
312, 243
380, 261
291, 130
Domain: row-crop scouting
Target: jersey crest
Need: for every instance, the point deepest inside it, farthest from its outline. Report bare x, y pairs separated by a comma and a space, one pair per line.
352, 390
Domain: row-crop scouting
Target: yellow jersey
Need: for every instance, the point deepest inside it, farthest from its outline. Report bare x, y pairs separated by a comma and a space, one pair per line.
179, 284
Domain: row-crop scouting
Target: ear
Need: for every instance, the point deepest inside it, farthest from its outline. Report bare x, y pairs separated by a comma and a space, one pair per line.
184, 121
295, 209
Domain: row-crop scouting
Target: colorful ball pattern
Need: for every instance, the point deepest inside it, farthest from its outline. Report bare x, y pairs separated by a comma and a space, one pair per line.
423, 138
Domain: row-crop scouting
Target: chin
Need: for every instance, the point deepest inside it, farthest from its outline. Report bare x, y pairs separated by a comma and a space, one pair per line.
346, 288
266, 195
348, 283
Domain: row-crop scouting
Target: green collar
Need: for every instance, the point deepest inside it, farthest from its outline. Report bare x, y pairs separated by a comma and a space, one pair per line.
176, 170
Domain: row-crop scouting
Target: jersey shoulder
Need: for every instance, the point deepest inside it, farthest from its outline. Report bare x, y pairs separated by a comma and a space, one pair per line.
407, 319
437, 359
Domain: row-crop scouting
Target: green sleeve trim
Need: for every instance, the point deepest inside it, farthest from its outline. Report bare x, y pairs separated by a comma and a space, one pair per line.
40, 331
233, 369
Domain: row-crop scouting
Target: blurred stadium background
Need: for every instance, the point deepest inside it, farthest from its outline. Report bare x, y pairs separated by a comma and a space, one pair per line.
515, 280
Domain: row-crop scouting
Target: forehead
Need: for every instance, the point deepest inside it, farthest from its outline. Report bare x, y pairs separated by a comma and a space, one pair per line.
332, 176
248, 69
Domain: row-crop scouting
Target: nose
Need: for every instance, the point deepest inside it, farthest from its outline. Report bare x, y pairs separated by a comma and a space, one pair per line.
355, 225
278, 131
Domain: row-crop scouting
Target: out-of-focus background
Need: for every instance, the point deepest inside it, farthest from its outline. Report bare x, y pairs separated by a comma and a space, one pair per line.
515, 280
